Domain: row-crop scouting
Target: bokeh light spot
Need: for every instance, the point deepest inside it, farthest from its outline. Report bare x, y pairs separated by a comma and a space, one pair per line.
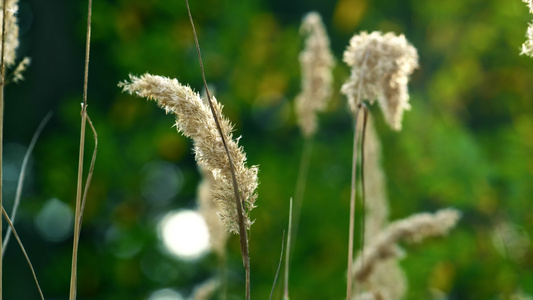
184, 234
54, 221
165, 294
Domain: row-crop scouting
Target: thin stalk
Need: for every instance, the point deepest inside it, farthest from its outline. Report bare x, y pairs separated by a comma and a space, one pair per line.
353, 194
91, 170
279, 266
243, 237
352, 210
287, 254
77, 222
365, 119
2, 84
301, 183
21, 177
23, 251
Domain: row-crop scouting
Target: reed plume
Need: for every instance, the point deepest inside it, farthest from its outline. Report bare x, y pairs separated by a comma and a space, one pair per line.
194, 120
11, 31
316, 63
412, 229
381, 65
527, 46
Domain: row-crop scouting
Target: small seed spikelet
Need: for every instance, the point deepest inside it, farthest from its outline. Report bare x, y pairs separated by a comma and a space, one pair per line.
527, 46
413, 229
12, 31
530, 5
381, 65
316, 63
194, 120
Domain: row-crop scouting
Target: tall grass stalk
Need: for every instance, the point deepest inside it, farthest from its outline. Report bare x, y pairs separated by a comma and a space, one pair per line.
78, 214
243, 237
2, 84
349, 282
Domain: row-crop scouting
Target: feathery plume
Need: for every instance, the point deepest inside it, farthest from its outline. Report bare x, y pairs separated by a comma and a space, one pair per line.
377, 210
316, 63
19, 70
194, 120
12, 31
527, 46
381, 65
386, 282
209, 209
413, 229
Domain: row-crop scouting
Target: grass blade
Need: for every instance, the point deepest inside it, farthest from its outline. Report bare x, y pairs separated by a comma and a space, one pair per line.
21, 177
279, 265
243, 236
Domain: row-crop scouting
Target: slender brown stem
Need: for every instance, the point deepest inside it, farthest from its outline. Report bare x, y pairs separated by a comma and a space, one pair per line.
365, 119
238, 203
352, 209
78, 214
279, 266
353, 194
23, 251
2, 84
91, 170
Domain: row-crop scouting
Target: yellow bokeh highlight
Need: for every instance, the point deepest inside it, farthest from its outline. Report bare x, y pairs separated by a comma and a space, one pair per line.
348, 14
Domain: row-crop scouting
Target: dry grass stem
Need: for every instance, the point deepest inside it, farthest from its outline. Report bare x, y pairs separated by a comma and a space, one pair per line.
2, 86
413, 229
317, 63
90, 174
79, 190
239, 202
387, 280
23, 251
22, 176
390, 59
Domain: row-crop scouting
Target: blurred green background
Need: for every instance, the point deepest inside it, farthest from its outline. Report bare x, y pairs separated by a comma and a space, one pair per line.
466, 143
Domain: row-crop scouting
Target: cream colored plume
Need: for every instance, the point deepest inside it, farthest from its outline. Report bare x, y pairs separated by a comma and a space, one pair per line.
316, 63
381, 65
12, 31
413, 229
194, 120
